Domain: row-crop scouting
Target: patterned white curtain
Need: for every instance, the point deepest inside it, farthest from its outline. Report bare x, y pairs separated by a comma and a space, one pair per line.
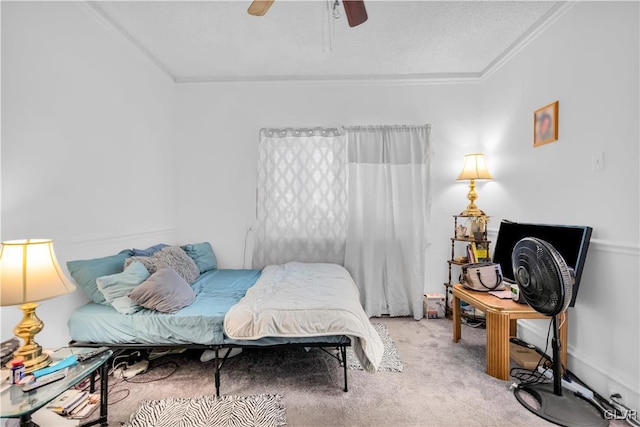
388, 169
301, 197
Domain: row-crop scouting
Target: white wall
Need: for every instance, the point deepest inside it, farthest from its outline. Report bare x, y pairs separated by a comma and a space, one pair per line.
218, 127
588, 61
98, 146
86, 155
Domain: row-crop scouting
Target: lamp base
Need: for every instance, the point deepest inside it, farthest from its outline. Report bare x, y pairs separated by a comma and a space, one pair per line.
472, 208
27, 329
33, 361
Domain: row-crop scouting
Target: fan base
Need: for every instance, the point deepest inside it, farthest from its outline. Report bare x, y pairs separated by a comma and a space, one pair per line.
567, 410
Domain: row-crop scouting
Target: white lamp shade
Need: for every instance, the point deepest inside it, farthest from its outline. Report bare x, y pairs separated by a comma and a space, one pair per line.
29, 272
474, 168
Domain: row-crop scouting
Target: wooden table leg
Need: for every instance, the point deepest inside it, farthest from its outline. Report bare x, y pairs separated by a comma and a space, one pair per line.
457, 321
498, 328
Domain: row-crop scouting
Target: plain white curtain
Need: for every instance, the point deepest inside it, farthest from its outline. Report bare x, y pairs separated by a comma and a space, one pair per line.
388, 204
301, 197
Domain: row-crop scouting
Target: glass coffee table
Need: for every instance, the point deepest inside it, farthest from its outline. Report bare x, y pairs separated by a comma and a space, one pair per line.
15, 403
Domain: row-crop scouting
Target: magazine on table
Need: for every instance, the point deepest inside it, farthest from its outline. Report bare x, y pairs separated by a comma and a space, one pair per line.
75, 404
67, 401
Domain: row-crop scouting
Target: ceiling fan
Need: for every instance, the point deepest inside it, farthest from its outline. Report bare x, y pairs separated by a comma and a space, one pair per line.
354, 9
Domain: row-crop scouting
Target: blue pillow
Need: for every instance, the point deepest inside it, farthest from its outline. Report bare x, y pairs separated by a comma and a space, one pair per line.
117, 287
149, 251
202, 254
85, 272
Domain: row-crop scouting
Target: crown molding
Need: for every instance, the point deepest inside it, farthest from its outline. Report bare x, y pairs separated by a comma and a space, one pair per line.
96, 12
350, 80
523, 41
558, 10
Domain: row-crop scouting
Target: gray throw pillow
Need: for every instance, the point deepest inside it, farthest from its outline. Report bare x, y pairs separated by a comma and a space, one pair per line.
169, 256
164, 291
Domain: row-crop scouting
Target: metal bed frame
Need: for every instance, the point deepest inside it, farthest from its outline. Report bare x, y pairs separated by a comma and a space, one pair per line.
219, 360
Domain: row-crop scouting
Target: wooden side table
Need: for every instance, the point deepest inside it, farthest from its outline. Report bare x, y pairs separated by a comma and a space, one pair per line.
501, 317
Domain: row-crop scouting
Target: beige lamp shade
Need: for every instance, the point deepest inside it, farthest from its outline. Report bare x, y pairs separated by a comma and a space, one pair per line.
29, 272
474, 168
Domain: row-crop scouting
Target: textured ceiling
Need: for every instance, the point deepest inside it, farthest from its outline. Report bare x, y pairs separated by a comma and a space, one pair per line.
219, 41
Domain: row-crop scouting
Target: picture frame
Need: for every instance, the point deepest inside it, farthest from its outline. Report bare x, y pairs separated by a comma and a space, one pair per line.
545, 124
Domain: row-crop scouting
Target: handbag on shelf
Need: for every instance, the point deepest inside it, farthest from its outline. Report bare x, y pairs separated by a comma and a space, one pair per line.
482, 276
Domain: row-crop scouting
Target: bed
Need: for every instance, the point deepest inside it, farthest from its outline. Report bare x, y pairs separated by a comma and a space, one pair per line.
295, 304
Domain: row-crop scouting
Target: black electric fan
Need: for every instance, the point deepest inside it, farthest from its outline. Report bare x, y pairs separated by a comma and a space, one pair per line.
546, 282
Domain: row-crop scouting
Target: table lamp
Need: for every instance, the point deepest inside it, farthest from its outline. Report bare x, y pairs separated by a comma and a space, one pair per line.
474, 168
29, 272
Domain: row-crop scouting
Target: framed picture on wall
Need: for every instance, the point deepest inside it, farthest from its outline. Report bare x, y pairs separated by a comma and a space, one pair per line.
545, 124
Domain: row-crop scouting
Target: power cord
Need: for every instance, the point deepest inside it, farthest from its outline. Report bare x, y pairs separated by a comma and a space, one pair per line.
115, 366
622, 411
611, 408
175, 369
539, 374
244, 250
113, 392
127, 392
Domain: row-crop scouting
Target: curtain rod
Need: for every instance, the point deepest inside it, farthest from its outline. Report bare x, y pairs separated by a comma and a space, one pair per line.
315, 131
386, 127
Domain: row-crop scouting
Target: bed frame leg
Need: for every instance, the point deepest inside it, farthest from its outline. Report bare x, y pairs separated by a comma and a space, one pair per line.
343, 352
217, 374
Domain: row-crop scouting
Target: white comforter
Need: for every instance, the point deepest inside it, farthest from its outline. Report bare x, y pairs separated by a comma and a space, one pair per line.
305, 300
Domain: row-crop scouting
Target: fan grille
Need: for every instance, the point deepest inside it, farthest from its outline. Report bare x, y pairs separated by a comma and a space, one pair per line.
543, 277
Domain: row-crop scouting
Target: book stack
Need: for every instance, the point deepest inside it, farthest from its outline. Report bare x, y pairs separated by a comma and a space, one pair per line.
478, 252
75, 404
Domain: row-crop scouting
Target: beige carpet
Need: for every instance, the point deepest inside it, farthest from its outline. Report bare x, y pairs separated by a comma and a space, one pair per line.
443, 384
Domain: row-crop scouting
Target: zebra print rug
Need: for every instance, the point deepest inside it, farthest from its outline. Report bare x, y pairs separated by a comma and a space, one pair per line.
205, 411
390, 358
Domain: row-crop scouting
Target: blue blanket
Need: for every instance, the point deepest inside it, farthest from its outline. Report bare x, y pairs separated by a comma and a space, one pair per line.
199, 323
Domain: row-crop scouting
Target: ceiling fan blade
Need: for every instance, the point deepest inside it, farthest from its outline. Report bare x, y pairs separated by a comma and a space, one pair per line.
356, 12
259, 7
